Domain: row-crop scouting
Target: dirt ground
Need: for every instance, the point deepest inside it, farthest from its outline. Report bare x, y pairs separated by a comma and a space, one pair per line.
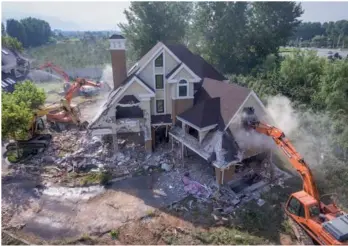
112, 214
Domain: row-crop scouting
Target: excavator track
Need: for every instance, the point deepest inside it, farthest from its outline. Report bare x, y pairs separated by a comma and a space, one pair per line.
28, 148
301, 235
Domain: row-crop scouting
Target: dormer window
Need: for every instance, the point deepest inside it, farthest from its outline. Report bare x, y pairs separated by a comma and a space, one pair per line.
182, 88
159, 61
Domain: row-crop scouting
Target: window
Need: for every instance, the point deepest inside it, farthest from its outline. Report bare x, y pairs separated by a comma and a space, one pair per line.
314, 211
160, 106
159, 61
182, 88
159, 81
295, 207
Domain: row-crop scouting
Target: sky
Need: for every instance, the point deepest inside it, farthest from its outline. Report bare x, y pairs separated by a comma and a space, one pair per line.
92, 16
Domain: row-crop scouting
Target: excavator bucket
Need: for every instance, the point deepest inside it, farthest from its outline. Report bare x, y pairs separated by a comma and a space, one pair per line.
249, 118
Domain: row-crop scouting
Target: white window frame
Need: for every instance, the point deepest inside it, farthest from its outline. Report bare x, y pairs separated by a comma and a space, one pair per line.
162, 82
161, 54
160, 71
160, 99
182, 85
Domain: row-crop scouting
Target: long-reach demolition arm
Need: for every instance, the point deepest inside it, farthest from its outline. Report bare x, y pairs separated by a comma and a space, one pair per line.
55, 68
296, 160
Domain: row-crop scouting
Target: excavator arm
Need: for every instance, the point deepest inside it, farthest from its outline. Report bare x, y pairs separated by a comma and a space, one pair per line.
56, 69
76, 86
250, 122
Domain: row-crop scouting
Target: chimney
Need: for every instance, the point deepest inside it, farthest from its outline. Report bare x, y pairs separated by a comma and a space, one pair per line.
118, 59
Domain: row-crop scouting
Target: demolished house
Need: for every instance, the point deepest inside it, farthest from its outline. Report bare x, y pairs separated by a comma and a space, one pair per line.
171, 93
14, 69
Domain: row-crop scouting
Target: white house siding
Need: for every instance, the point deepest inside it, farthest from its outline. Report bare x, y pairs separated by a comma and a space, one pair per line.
147, 75
183, 74
170, 63
135, 89
160, 94
190, 89
169, 98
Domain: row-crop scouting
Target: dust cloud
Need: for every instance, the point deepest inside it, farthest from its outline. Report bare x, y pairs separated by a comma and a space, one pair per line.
89, 112
309, 132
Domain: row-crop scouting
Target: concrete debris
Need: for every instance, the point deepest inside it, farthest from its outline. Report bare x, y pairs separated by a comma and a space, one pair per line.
166, 167
195, 188
260, 202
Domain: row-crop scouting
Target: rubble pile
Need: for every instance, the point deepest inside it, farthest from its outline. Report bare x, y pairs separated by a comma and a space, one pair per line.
75, 150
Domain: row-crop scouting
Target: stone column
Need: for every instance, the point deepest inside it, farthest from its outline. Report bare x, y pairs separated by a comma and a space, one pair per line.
148, 145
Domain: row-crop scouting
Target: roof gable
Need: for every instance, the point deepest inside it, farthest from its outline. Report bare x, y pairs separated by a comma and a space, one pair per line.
182, 71
181, 54
195, 62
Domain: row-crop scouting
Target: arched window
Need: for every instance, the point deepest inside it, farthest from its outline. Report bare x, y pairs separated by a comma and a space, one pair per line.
182, 88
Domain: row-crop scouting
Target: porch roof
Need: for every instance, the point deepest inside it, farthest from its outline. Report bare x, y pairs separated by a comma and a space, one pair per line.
211, 149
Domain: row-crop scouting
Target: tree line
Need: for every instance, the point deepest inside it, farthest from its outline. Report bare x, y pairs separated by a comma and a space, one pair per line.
234, 36
315, 34
30, 32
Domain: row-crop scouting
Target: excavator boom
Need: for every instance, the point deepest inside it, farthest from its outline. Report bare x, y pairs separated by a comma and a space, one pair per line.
56, 69
294, 157
325, 223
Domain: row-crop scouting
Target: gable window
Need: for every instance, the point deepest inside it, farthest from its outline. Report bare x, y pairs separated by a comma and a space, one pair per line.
159, 81
182, 88
159, 106
159, 61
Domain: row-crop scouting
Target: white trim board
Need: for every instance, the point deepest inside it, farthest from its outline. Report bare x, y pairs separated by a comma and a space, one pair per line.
196, 127
161, 48
253, 94
195, 79
197, 152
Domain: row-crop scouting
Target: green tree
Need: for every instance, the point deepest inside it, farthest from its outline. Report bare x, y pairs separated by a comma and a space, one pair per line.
3, 30
17, 109
319, 41
238, 36
15, 29
31, 32
150, 22
30, 94
15, 118
299, 76
37, 31
11, 43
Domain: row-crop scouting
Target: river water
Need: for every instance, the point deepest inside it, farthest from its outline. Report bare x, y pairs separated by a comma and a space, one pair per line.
325, 52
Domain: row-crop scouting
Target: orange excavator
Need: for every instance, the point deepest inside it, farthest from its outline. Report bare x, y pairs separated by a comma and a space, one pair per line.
65, 112
325, 224
84, 90
58, 115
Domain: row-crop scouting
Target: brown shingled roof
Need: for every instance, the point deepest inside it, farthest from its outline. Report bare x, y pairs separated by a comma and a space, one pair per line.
231, 96
195, 62
205, 113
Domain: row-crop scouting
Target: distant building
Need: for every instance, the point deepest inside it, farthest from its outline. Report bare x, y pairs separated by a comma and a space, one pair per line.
14, 68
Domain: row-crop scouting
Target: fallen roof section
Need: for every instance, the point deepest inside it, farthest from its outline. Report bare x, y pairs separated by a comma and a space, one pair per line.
217, 148
161, 119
